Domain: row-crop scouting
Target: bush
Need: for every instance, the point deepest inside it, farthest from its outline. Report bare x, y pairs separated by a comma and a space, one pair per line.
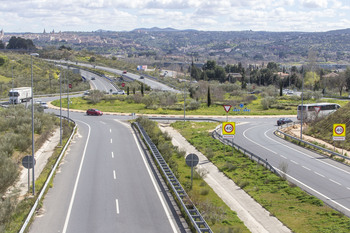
267, 102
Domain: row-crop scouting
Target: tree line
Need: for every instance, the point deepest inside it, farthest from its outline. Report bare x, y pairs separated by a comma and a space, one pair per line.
18, 43
272, 74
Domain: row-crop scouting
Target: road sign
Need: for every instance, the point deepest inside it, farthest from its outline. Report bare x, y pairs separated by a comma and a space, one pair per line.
228, 129
192, 160
123, 84
339, 132
27, 161
317, 109
241, 105
70, 85
227, 108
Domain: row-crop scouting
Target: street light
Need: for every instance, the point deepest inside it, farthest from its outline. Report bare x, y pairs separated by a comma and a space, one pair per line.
31, 65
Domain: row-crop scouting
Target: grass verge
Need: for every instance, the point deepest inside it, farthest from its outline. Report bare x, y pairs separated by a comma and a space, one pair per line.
298, 210
24, 206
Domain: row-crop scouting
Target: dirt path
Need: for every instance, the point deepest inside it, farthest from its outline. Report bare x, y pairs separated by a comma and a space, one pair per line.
41, 157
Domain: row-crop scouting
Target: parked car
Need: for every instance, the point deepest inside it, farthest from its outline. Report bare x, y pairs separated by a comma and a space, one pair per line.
93, 111
142, 77
124, 72
93, 78
282, 121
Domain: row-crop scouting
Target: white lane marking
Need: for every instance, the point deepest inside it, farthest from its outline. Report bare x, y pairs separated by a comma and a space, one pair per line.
256, 142
114, 175
283, 156
155, 186
335, 182
112, 155
110, 130
117, 205
319, 174
111, 140
306, 168
76, 183
293, 161
319, 160
324, 196
348, 188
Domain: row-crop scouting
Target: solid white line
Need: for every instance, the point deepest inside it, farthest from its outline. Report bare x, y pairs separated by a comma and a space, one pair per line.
319, 160
117, 205
256, 142
319, 174
306, 168
335, 182
155, 186
76, 183
293, 161
324, 196
114, 175
112, 155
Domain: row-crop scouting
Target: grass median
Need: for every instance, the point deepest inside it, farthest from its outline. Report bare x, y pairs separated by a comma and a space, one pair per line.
298, 210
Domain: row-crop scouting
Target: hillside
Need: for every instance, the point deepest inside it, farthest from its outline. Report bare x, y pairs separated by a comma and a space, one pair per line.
323, 129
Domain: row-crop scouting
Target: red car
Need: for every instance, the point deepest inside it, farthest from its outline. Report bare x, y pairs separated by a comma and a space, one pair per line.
93, 111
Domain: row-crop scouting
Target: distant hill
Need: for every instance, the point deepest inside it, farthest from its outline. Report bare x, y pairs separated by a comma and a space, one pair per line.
157, 29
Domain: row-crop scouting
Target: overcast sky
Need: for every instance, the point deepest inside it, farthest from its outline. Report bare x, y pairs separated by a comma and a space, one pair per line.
209, 15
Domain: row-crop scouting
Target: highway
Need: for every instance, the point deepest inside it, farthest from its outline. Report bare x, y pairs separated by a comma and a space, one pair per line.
152, 83
108, 188
320, 176
105, 183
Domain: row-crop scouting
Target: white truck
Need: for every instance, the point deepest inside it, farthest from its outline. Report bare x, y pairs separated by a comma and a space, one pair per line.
20, 94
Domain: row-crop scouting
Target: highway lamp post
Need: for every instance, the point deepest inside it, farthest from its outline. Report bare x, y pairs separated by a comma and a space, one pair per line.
302, 108
68, 86
12, 81
61, 107
31, 69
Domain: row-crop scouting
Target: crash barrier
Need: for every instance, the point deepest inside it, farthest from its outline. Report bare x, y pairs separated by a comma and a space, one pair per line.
46, 185
315, 147
192, 213
252, 156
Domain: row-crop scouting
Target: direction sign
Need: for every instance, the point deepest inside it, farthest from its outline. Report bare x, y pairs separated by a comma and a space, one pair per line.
228, 128
227, 108
241, 105
27, 161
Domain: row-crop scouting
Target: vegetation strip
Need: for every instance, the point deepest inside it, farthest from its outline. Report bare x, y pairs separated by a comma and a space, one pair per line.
295, 208
217, 214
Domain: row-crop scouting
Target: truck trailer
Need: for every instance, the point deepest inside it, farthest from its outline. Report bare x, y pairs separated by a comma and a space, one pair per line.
20, 94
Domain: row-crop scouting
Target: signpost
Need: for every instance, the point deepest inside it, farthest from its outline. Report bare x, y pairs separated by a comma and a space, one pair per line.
227, 109
27, 162
339, 133
192, 161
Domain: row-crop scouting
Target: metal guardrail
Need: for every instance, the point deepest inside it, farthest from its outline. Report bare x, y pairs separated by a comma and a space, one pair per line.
194, 215
43, 189
252, 156
332, 153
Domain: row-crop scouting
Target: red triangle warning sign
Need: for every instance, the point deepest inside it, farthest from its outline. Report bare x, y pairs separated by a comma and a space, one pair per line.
227, 108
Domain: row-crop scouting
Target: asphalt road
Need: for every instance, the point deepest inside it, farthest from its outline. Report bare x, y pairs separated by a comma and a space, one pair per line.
318, 175
105, 183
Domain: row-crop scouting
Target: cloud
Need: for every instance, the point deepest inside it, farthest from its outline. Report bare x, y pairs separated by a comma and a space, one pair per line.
315, 3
